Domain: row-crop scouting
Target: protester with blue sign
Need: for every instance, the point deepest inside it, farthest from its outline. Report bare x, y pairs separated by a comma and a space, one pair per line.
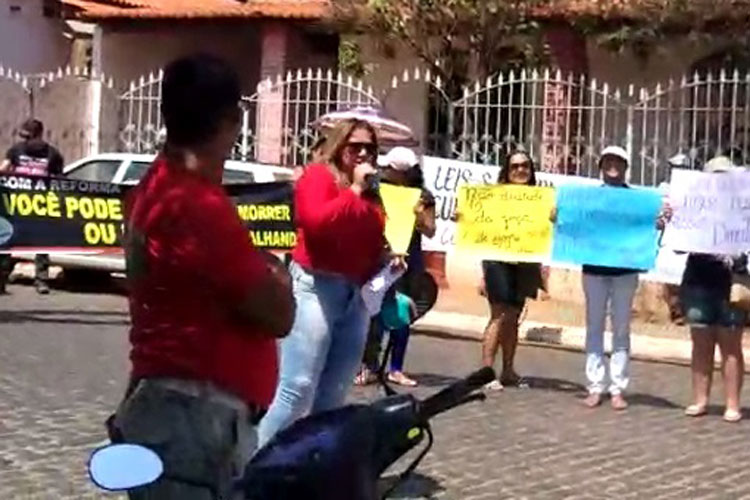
608, 285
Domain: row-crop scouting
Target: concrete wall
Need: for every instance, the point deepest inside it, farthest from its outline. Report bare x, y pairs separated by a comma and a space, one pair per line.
129, 50
671, 60
30, 42
406, 102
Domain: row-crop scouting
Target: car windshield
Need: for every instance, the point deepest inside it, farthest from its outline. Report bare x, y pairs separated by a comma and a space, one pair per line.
135, 171
96, 171
237, 177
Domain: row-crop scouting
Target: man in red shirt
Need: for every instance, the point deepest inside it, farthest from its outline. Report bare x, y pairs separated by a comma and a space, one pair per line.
206, 306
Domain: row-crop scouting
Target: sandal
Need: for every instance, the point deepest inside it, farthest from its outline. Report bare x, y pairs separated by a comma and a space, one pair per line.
364, 377
696, 411
514, 380
732, 416
401, 379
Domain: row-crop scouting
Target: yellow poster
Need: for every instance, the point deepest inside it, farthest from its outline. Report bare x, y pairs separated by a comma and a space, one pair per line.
399, 205
505, 222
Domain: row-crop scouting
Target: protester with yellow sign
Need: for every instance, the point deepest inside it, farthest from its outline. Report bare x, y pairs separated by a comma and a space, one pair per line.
522, 230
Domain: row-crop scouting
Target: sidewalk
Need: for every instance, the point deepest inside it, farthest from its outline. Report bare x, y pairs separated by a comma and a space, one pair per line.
668, 349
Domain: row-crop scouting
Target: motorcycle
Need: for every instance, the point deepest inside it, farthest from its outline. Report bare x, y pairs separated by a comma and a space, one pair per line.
335, 455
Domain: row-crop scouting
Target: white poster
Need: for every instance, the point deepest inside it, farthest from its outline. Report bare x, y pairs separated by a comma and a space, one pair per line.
442, 177
711, 212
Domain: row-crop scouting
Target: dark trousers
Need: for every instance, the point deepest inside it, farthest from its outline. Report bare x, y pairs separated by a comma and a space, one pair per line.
41, 267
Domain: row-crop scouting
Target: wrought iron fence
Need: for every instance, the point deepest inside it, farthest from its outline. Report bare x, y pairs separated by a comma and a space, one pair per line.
562, 120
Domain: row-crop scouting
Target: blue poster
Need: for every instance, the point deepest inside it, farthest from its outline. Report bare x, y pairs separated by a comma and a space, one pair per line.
606, 226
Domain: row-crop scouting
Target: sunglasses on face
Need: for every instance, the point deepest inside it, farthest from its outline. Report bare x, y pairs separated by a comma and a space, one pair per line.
357, 147
520, 165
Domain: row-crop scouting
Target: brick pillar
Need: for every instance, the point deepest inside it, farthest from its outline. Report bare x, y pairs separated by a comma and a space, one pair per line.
270, 110
568, 50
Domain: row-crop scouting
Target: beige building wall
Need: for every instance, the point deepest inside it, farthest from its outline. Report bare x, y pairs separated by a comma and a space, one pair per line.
29, 41
407, 102
129, 50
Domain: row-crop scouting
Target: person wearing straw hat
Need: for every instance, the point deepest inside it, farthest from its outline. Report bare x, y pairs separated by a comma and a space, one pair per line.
613, 288
705, 299
400, 167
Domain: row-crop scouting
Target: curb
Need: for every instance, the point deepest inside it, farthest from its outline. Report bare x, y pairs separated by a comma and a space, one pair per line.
571, 338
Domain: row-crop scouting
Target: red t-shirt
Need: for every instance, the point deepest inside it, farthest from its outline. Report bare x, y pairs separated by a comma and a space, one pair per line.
337, 231
189, 261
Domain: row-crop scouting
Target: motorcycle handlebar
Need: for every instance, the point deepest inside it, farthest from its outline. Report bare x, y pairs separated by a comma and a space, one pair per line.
455, 394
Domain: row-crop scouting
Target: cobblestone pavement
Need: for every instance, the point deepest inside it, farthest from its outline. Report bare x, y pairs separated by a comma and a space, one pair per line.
63, 360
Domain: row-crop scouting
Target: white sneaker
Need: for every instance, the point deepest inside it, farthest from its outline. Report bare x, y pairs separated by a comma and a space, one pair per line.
494, 386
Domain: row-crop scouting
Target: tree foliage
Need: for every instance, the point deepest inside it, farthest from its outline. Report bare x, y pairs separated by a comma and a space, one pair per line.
456, 39
462, 40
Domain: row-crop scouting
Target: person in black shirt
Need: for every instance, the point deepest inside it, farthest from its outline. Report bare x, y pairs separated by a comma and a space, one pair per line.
616, 286
31, 156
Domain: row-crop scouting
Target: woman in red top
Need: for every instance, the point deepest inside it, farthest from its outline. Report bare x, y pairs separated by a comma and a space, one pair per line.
340, 245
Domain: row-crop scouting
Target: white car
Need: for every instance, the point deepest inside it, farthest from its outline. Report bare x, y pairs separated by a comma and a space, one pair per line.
128, 169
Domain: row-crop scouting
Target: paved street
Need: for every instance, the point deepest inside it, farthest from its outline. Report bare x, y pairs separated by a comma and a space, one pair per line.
63, 364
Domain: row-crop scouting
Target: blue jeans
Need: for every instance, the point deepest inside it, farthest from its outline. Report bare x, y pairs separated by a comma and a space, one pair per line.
321, 355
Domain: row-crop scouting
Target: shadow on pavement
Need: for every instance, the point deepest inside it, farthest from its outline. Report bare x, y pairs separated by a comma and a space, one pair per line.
553, 384
417, 486
432, 379
650, 400
63, 317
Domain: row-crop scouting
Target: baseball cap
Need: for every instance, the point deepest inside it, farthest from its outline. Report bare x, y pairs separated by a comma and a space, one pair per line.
617, 152
399, 158
718, 164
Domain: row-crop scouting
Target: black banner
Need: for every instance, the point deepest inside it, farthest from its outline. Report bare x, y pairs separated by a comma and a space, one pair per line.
43, 214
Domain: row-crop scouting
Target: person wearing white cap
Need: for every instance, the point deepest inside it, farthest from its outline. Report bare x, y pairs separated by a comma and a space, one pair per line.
616, 286
400, 167
705, 299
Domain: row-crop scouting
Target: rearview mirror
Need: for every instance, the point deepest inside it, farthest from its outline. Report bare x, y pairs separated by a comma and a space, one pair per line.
121, 467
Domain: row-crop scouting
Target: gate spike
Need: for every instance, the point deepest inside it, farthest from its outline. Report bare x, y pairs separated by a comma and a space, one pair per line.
309, 73
59, 72
349, 80
142, 82
94, 73
394, 82
736, 75
68, 70
340, 77
405, 76
500, 79
319, 75
558, 75
723, 75
439, 82
2, 70
534, 74
77, 71
417, 74
111, 83
329, 75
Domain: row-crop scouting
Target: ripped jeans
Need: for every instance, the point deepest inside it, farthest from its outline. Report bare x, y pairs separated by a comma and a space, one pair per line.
322, 354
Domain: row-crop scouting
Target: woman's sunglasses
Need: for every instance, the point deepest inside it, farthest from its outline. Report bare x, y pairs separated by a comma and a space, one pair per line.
520, 165
356, 147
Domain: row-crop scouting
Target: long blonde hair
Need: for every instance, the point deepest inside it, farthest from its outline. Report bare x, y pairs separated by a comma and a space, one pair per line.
338, 137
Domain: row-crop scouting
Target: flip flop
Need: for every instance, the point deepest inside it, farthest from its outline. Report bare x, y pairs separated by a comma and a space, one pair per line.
696, 411
732, 416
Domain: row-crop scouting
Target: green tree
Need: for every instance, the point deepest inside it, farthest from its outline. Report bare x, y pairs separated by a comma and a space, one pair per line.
459, 40
464, 40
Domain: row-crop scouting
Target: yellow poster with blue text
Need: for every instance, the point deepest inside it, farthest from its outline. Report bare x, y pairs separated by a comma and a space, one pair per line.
399, 203
510, 223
